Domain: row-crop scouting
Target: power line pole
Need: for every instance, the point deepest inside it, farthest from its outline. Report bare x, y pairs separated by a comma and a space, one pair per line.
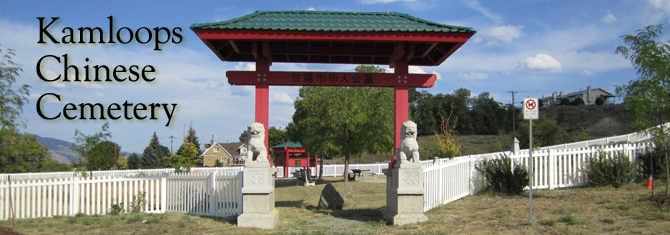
171, 138
513, 118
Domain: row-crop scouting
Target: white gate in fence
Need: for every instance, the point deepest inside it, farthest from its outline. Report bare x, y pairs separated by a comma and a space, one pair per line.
200, 194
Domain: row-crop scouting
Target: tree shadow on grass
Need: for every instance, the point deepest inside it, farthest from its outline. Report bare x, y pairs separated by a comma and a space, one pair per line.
296, 204
363, 215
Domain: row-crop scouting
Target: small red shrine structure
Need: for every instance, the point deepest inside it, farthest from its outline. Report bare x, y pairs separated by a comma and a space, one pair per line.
292, 155
378, 38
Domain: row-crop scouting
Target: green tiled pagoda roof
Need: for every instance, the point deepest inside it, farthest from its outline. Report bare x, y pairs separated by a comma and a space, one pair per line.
288, 144
333, 21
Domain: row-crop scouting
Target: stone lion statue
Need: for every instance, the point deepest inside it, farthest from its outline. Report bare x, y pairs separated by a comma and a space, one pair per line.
409, 148
257, 151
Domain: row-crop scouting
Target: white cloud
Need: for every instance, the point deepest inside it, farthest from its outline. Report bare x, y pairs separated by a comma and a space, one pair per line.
661, 4
587, 73
311, 9
474, 4
49, 98
473, 75
383, 1
98, 94
245, 66
609, 18
505, 33
542, 62
439, 76
415, 69
281, 98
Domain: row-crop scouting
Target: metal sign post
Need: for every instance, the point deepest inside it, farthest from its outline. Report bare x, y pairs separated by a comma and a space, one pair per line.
531, 111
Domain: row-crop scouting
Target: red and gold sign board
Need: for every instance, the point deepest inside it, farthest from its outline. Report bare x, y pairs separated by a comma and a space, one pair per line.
312, 78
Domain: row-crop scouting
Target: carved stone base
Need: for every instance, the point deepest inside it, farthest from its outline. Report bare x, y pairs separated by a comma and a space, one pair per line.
404, 195
258, 195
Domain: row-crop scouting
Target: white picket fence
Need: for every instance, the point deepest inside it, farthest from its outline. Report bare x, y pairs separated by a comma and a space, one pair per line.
334, 170
447, 180
217, 191
208, 194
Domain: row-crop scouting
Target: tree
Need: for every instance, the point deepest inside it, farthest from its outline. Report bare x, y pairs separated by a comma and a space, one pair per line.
190, 138
345, 120
188, 157
121, 162
12, 101
244, 137
487, 117
155, 155
276, 136
103, 156
648, 96
600, 101
85, 143
51, 165
20, 152
134, 161
446, 140
547, 132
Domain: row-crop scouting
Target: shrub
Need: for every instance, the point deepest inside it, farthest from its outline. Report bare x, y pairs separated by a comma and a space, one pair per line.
578, 101
502, 178
605, 169
115, 209
652, 156
600, 101
565, 101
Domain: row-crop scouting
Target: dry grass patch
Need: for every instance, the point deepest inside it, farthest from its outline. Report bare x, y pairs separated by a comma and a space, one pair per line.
562, 211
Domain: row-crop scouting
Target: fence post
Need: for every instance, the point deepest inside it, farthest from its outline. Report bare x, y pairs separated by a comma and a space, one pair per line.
240, 184
164, 192
551, 168
439, 180
74, 196
213, 205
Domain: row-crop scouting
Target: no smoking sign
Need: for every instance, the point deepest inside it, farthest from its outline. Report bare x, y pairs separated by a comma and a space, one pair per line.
531, 108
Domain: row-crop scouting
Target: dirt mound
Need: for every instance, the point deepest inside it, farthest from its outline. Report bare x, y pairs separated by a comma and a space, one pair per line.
596, 120
8, 231
605, 127
658, 201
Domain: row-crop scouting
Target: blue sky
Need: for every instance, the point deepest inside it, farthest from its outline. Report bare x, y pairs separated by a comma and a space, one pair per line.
535, 47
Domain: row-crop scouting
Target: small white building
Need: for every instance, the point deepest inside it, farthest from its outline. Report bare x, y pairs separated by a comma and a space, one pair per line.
589, 96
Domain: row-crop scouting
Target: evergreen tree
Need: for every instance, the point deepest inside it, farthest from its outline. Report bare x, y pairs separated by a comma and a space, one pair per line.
155, 155
134, 161
190, 138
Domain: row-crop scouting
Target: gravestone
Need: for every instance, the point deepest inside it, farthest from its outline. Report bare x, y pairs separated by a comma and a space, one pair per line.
335, 196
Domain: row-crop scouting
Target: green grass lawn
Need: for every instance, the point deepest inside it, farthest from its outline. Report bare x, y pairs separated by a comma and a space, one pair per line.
562, 211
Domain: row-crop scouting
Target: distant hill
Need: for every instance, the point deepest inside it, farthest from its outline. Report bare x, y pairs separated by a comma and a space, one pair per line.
597, 120
59, 149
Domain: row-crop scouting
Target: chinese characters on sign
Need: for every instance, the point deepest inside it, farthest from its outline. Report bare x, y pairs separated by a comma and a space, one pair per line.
333, 78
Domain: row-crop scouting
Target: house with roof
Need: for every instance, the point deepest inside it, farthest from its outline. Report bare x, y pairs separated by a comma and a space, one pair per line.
226, 153
589, 96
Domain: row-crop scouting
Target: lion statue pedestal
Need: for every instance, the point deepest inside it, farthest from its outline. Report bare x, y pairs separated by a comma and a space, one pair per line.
258, 190
404, 183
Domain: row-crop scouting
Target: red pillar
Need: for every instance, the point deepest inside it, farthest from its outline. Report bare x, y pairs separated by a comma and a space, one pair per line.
263, 99
286, 164
401, 108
